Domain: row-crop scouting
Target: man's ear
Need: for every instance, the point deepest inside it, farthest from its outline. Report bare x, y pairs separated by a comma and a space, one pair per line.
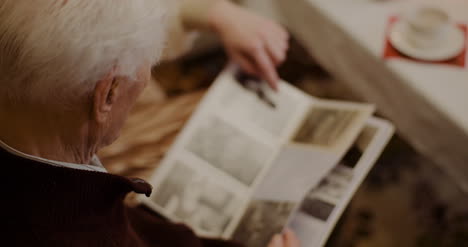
104, 97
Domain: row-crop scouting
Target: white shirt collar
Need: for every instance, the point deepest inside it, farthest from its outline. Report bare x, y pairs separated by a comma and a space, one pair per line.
95, 164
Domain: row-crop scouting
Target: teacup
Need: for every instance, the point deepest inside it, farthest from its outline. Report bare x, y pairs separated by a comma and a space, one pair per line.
427, 27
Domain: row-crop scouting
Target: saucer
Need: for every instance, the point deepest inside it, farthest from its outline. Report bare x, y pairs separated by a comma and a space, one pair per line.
453, 46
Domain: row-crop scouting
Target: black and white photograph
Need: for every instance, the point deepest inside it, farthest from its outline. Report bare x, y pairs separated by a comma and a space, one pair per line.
256, 103
333, 187
262, 220
325, 126
194, 199
230, 150
343, 173
317, 208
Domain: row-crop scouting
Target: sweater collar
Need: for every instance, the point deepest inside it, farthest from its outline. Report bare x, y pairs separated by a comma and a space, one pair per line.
95, 164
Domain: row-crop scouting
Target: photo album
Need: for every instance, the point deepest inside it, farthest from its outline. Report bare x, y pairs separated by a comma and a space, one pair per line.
252, 161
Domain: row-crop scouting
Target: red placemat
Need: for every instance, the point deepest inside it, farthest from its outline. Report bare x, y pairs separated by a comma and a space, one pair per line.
391, 52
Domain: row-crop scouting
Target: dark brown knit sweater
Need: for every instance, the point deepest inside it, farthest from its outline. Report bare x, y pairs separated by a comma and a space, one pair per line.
44, 205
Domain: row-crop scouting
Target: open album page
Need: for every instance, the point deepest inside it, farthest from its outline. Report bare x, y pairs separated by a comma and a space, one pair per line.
324, 204
326, 131
207, 178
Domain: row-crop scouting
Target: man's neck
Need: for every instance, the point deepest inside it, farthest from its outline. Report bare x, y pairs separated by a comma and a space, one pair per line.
46, 135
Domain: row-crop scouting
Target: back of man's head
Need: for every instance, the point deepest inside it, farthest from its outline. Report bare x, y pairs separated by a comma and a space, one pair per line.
57, 49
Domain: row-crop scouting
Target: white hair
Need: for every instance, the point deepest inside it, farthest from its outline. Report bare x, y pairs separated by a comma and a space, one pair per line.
51, 49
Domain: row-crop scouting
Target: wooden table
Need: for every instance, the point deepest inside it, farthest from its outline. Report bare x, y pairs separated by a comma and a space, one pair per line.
427, 102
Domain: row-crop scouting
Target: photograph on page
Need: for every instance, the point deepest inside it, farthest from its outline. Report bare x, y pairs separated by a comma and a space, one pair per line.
256, 103
332, 125
262, 220
193, 198
229, 149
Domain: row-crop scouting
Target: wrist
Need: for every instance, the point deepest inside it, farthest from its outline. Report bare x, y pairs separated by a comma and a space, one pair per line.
203, 14
217, 15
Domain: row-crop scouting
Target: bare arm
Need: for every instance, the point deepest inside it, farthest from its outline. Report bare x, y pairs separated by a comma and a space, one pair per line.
259, 45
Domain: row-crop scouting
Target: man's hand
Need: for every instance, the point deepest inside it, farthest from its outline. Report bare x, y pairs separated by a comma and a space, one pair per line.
287, 239
257, 44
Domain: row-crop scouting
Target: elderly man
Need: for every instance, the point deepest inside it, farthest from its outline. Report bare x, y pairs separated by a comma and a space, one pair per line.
70, 72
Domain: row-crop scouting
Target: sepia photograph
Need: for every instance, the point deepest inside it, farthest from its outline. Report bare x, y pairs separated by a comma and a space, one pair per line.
326, 126
261, 221
317, 208
195, 200
256, 103
230, 150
